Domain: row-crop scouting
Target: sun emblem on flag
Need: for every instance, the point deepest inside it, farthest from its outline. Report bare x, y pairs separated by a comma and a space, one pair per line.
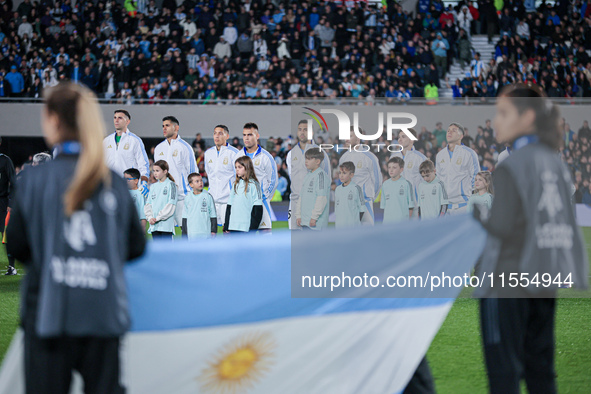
239, 364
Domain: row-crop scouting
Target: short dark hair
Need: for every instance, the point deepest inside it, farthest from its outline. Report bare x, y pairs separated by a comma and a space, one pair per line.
459, 126
251, 125
302, 121
314, 153
192, 175
397, 160
221, 126
427, 165
124, 112
134, 172
172, 119
349, 166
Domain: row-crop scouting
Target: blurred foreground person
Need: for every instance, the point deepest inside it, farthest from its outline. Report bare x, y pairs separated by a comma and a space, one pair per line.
535, 240
73, 225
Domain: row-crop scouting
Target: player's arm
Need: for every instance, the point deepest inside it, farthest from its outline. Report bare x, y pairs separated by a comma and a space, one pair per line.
361, 202
141, 158
474, 168
410, 199
443, 210
228, 209
321, 199
288, 162
273, 179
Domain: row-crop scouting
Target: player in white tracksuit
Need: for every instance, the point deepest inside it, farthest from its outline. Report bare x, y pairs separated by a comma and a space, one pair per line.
265, 169
412, 160
457, 166
296, 167
180, 157
219, 166
124, 149
368, 175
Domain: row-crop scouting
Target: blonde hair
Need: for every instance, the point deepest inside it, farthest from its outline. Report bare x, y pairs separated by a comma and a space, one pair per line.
487, 178
80, 119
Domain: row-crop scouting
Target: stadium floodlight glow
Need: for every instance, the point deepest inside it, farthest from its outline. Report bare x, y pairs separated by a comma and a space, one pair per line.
345, 124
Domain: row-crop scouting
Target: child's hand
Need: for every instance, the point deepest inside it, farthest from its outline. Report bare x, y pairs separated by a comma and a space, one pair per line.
213, 235
299, 222
312, 223
153, 221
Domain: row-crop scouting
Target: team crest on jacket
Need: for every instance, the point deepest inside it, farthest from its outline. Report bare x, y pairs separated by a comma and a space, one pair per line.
459, 161
401, 192
350, 196
165, 191
434, 191
409, 165
175, 153
257, 162
126, 147
225, 160
359, 164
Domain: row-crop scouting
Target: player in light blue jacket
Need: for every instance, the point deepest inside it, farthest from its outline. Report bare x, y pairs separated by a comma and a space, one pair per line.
245, 205
199, 214
161, 202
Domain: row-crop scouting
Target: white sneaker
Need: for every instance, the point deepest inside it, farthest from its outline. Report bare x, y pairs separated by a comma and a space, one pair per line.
10, 271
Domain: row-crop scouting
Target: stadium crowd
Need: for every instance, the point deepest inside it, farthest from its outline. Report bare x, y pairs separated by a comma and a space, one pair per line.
253, 49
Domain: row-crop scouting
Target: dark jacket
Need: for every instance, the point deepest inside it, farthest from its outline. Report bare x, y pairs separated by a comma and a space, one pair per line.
7, 176
532, 223
74, 284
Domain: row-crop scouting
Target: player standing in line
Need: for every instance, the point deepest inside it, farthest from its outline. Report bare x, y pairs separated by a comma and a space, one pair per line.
180, 158
483, 188
457, 166
397, 194
7, 178
433, 200
245, 205
219, 166
368, 175
296, 167
124, 149
311, 209
199, 216
132, 176
265, 169
412, 160
349, 201
161, 202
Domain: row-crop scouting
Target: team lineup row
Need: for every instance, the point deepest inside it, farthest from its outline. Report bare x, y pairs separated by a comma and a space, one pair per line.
417, 186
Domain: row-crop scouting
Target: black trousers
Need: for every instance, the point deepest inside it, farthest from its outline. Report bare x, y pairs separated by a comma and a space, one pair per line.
161, 234
49, 364
518, 340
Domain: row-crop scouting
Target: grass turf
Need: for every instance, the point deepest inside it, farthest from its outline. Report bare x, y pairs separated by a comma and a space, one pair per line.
455, 356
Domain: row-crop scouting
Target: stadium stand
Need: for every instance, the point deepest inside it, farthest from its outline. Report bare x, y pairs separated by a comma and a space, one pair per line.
137, 52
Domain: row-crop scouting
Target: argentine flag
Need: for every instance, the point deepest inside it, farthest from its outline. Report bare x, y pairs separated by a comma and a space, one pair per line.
217, 316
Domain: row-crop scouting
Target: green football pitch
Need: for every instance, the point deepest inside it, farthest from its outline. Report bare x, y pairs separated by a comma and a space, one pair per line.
455, 356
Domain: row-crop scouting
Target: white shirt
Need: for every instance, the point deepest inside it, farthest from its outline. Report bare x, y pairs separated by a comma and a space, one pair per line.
265, 169
412, 162
130, 153
368, 175
219, 166
296, 168
180, 158
458, 172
